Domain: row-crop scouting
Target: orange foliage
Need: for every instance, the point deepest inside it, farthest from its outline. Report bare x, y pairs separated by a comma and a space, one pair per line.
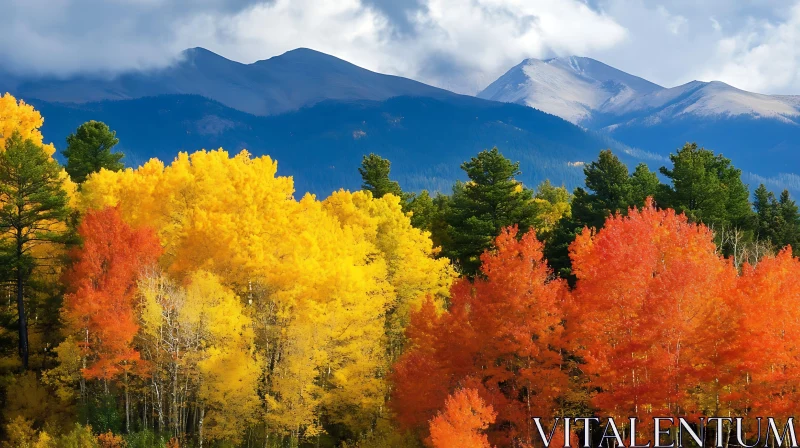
100, 304
649, 313
768, 295
111, 440
462, 422
500, 336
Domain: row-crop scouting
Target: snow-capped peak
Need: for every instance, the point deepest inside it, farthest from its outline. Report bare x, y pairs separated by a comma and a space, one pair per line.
588, 92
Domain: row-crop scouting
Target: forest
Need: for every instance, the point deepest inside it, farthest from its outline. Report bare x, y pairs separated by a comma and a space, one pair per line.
201, 303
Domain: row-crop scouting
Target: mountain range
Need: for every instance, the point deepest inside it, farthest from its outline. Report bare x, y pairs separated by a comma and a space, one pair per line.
318, 115
761, 133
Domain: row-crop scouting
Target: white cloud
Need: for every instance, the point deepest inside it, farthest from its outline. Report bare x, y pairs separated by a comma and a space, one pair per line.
762, 57
674, 22
462, 45
456, 44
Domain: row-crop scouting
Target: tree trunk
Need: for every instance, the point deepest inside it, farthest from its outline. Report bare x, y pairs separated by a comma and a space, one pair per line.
127, 406
23, 320
200, 425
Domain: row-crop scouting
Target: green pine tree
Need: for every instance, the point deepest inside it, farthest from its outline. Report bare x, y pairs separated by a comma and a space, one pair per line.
374, 172
609, 190
707, 188
33, 212
479, 209
89, 150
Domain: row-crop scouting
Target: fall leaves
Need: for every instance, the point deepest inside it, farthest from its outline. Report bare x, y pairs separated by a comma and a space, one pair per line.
659, 322
261, 309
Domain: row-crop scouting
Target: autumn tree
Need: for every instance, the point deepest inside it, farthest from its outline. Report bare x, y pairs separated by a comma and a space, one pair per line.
766, 297
201, 346
491, 200
500, 335
99, 307
90, 149
19, 117
649, 313
609, 190
551, 204
321, 279
462, 422
33, 212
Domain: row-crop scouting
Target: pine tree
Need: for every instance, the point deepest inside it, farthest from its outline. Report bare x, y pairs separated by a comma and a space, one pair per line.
707, 187
33, 212
790, 233
423, 210
479, 209
375, 176
89, 150
609, 190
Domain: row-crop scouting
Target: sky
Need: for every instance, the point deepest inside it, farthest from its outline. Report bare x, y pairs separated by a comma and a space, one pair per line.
461, 45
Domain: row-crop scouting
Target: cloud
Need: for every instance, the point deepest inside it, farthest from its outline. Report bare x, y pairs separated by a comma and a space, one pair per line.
462, 45
451, 43
762, 56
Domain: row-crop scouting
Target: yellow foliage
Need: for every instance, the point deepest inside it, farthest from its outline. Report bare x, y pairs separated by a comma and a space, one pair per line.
67, 374
551, 203
23, 118
318, 278
412, 270
210, 338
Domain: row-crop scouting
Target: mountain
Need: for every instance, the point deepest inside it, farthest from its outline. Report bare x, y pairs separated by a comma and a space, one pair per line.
316, 115
284, 83
572, 88
760, 133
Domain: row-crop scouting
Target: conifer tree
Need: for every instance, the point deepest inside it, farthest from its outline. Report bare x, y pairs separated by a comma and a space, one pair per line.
707, 187
479, 209
374, 172
609, 190
33, 212
89, 150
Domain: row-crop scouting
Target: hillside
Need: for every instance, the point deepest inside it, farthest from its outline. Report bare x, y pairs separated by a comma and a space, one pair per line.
425, 138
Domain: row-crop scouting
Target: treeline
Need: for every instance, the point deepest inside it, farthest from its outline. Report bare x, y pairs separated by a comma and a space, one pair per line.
703, 185
201, 304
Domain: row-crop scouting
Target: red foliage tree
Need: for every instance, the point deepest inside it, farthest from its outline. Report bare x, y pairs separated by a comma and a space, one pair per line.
501, 336
101, 283
769, 337
462, 422
650, 314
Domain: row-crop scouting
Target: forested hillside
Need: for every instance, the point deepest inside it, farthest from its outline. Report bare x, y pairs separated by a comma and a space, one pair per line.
201, 300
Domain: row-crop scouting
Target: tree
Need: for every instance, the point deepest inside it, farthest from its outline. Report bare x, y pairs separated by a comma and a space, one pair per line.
23, 119
375, 176
492, 200
89, 150
766, 297
501, 335
462, 422
707, 188
609, 190
319, 278
201, 343
551, 204
100, 306
777, 220
649, 313
424, 212
33, 212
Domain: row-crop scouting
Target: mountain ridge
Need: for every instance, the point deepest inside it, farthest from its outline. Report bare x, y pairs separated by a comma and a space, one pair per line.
282, 83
